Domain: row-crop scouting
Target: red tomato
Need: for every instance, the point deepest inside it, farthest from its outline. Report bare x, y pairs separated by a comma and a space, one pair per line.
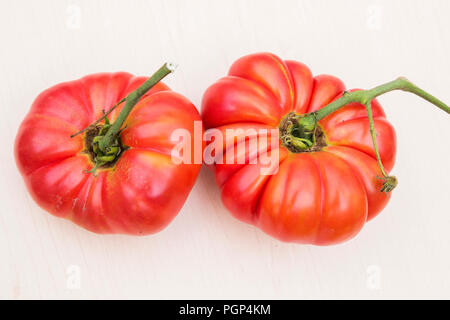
143, 191
323, 197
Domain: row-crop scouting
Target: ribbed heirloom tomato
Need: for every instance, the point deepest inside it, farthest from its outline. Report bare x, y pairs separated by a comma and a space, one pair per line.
135, 187
324, 192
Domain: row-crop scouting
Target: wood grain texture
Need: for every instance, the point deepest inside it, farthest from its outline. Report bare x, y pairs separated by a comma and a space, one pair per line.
205, 253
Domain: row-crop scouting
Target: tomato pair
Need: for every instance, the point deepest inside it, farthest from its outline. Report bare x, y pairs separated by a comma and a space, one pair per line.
325, 187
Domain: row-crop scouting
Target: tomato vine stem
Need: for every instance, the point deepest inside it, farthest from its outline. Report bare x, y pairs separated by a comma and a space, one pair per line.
104, 117
309, 122
106, 145
130, 101
366, 96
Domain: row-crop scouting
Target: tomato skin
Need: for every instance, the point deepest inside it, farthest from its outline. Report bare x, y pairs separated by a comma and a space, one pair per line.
320, 198
143, 191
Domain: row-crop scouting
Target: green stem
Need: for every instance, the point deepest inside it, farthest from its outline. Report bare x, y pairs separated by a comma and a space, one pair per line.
104, 117
374, 138
389, 182
365, 97
131, 100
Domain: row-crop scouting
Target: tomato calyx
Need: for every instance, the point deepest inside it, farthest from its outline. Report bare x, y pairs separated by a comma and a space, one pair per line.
389, 183
110, 137
102, 160
301, 133
103, 143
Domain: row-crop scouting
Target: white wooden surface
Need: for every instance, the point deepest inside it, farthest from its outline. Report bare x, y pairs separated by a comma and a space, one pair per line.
205, 253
